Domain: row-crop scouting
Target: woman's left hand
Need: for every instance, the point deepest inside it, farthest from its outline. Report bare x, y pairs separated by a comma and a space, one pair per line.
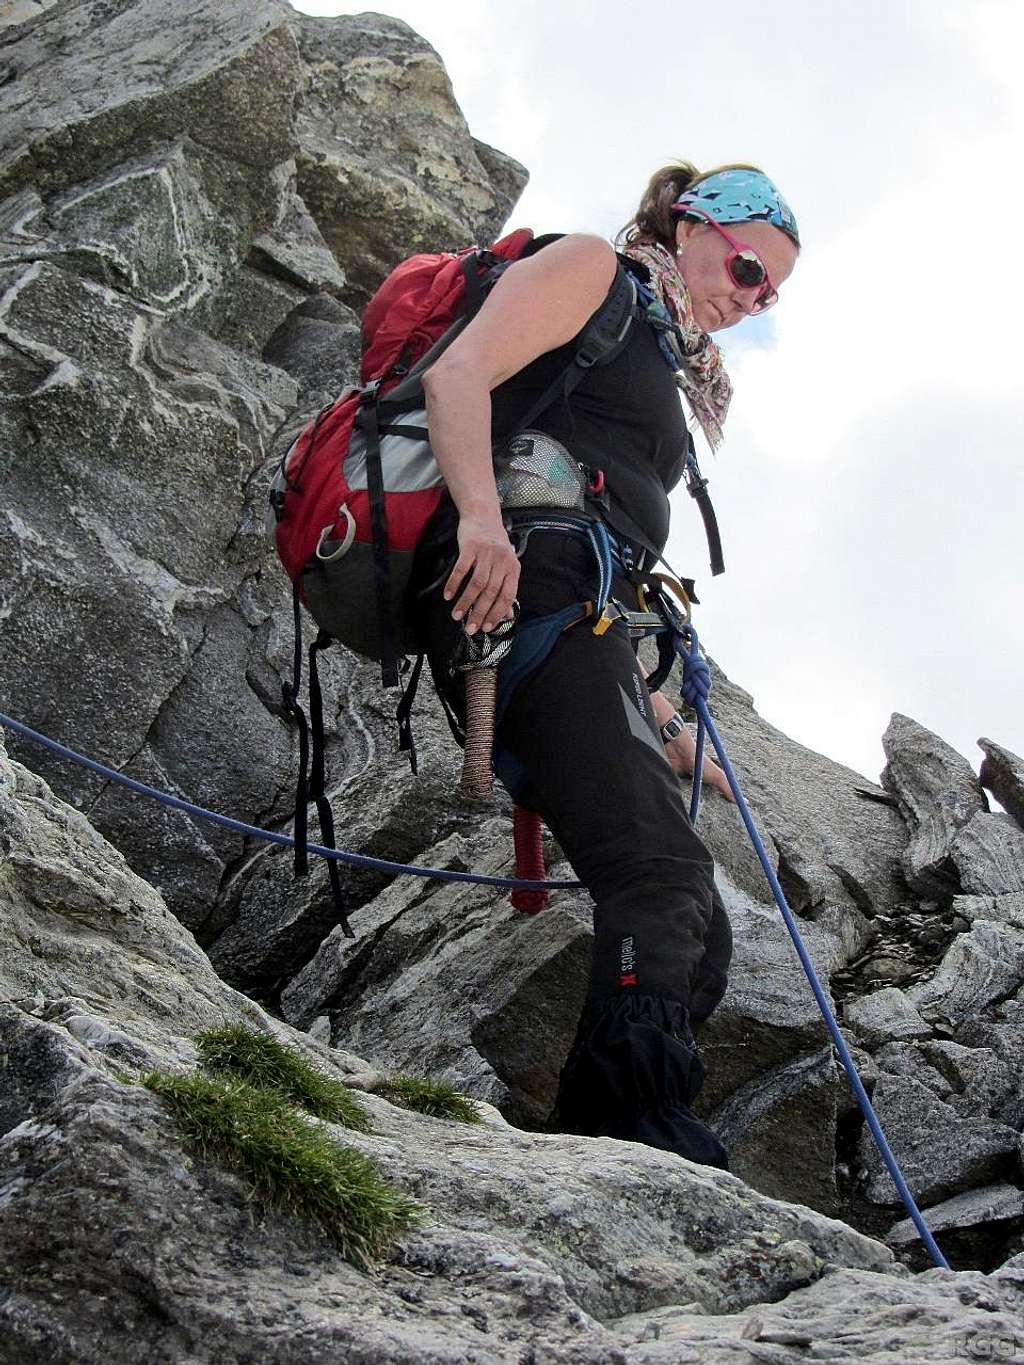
681, 753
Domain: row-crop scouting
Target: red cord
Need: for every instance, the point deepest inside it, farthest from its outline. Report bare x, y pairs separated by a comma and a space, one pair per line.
528, 836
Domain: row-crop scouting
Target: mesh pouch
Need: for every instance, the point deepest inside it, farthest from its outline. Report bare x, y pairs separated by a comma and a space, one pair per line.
535, 470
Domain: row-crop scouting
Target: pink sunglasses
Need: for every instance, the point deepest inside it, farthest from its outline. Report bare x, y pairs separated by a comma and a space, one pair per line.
745, 267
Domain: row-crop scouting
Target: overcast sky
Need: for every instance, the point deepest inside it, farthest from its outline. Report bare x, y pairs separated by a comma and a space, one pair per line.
870, 486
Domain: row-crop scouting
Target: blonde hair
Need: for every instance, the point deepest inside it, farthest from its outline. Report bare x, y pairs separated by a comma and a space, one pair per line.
653, 220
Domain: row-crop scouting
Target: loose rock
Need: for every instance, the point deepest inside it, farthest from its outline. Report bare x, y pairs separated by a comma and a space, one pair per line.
938, 794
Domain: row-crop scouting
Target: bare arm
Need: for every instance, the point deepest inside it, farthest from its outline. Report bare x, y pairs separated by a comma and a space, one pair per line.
537, 305
681, 751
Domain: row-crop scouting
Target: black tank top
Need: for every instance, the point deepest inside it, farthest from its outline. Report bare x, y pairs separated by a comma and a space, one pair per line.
624, 418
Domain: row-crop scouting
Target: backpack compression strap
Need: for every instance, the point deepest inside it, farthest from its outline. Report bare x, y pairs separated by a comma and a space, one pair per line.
408, 393
368, 420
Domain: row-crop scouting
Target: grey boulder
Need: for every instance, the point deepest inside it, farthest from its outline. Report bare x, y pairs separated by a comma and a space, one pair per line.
939, 1152
938, 793
386, 164
1002, 772
884, 1016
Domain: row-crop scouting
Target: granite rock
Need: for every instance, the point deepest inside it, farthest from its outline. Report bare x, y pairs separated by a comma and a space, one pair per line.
938, 793
110, 77
1002, 772
445, 980
188, 215
992, 1204
128, 1244
884, 1016
154, 244
1006, 909
386, 165
836, 840
846, 1315
940, 1153
980, 969
988, 853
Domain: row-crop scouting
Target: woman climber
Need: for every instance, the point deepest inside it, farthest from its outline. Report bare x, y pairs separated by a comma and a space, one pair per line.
580, 738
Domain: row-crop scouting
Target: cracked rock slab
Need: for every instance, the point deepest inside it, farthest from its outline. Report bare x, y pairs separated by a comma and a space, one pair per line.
1002, 772
980, 969
104, 76
938, 794
940, 1153
993, 1204
936, 1319
975, 1081
1008, 909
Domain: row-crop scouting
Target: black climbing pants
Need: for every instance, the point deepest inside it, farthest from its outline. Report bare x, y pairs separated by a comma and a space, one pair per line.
581, 729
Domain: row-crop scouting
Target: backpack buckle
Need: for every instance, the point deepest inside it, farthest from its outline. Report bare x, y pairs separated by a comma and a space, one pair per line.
327, 548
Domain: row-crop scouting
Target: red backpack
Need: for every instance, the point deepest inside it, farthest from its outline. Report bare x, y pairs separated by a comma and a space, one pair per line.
357, 488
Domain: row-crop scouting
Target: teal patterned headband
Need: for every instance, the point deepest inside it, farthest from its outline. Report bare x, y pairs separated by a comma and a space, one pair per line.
740, 197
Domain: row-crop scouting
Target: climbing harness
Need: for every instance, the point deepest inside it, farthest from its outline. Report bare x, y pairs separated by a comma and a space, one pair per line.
695, 690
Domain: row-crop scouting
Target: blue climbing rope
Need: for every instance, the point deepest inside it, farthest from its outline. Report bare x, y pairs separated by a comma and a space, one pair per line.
696, 688
271, 836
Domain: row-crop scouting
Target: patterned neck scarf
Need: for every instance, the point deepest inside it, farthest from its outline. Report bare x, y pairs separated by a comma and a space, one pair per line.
700, 369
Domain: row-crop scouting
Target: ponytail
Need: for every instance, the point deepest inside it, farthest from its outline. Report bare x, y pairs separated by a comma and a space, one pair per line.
654, 219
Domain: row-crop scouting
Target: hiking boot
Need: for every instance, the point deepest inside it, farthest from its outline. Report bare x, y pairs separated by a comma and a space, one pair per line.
632, 1073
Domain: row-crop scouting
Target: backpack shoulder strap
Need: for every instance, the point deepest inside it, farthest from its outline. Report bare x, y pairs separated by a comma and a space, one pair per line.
697, 487
608, 330
599, 343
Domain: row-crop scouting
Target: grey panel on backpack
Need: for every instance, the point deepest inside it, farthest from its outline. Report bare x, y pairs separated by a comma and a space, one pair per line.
409, 465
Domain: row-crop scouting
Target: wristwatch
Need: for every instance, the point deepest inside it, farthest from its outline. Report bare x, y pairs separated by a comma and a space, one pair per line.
675, 725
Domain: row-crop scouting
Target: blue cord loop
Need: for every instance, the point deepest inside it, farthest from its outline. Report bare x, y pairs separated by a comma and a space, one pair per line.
696, 687
696, 670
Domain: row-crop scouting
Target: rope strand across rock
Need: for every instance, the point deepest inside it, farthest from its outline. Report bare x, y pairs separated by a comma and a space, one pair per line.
697, 685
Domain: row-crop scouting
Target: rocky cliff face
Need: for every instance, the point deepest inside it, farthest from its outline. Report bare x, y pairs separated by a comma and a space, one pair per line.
190, 212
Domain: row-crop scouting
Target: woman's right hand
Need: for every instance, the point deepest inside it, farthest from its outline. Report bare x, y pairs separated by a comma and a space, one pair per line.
484, 580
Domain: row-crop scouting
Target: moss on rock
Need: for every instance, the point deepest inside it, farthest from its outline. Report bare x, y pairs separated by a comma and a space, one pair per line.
291, 1161
260, 1059
436, 1098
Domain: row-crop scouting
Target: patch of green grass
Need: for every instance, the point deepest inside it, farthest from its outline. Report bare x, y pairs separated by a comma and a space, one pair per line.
291, 1162
235, 1050
436, 1098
